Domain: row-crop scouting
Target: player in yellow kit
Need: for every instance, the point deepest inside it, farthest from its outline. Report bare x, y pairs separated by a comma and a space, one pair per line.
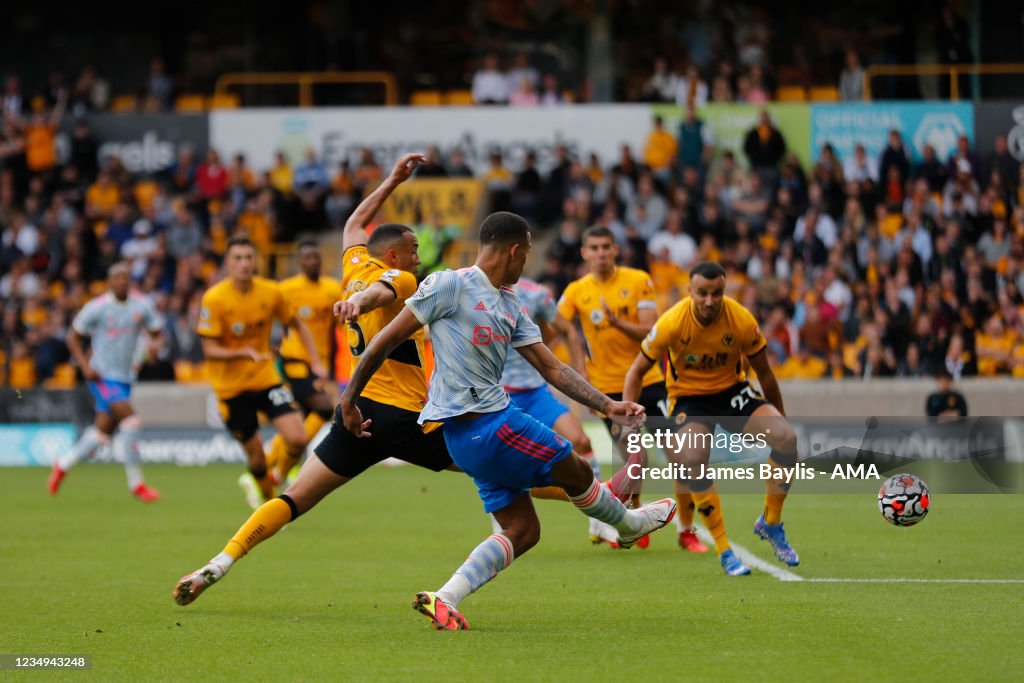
313, 296
707, 336
616, 308
235, 322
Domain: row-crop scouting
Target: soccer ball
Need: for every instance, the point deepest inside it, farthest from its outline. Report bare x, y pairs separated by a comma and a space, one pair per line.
903, 500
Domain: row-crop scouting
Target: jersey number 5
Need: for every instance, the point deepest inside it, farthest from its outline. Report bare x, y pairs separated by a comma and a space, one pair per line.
360, 344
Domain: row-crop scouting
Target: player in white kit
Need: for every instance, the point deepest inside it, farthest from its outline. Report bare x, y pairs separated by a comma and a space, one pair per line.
114, 321
474, 318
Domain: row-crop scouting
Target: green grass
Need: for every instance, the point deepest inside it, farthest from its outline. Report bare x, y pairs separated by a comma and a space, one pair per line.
91, 572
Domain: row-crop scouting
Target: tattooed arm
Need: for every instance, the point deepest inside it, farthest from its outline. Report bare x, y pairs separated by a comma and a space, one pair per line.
570, 383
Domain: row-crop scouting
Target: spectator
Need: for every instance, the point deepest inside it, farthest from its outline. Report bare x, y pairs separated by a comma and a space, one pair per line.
13, 100
84, 153
184, 237
721, 91
41, 137
457, 167
859, 169
994, 245
663, 85
696, 142
521, 72
212, 178
434, 238
91, 93
368, 174
953, 45
931, 170
672, 245
281, 176
963, 159
183, 171
342, 196
802, 366
945, 402
765, 147
894, 156
432, 167
498, 180
648, 210
526, 95
489, 83
1002, 161
551, 93
692, 90
660, 151
159, 86
526, 193
851, 79
140, 248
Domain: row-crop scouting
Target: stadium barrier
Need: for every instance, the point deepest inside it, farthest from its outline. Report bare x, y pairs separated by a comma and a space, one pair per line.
182, 422
149, 142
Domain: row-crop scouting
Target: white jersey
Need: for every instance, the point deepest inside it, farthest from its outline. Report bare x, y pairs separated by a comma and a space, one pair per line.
519, 375
114, 327
472, 324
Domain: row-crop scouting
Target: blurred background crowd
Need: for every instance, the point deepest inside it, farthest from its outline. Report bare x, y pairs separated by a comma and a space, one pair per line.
859, 267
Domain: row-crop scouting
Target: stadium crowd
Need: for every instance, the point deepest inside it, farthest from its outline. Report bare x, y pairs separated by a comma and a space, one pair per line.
856, 267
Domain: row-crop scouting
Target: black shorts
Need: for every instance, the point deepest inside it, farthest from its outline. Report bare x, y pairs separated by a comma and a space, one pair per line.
241, 412
653, 398
737, 403
301, 379
395, 434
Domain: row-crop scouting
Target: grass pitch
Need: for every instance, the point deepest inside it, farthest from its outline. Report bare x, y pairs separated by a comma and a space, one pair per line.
91, 572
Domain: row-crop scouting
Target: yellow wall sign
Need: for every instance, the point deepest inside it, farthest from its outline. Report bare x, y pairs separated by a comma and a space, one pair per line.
417, 200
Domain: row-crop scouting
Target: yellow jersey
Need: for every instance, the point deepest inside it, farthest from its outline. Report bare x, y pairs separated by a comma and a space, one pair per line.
313, 303
611, 351
238, 319
400, 381
703, 359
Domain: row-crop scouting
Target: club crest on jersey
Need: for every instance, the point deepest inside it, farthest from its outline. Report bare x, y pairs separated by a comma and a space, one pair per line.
390, 274
624, 293
204, 314
597, 316
354, 259
429, 282
728, 339
237, 329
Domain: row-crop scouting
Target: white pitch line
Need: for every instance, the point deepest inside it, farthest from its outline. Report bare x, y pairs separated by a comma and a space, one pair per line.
897, 580
752, 560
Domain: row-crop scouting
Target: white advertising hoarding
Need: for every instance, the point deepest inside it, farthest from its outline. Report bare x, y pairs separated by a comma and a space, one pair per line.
339, 133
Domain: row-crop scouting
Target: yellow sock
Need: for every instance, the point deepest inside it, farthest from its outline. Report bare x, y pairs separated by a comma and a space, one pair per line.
266, 521
773, 507
774, 495
709, 505
684, 509
277, 453
549, 493
266, 484
288, 460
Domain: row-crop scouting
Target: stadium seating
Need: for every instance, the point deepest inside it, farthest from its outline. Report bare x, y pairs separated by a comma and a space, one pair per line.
123, 104
190, 103
64, 377
458, 97
425, 98
824, 93
791, 93
223, 101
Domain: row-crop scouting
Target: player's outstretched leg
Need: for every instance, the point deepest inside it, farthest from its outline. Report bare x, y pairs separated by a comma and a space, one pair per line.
126, 449
92, 438
520, 531
314, 483
768, 527
597, 501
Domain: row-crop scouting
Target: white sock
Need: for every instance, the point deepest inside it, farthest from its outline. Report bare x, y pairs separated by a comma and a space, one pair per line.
495, 526
86, 445
679, 525
126, 449
223, 561
599, 503
482, 565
